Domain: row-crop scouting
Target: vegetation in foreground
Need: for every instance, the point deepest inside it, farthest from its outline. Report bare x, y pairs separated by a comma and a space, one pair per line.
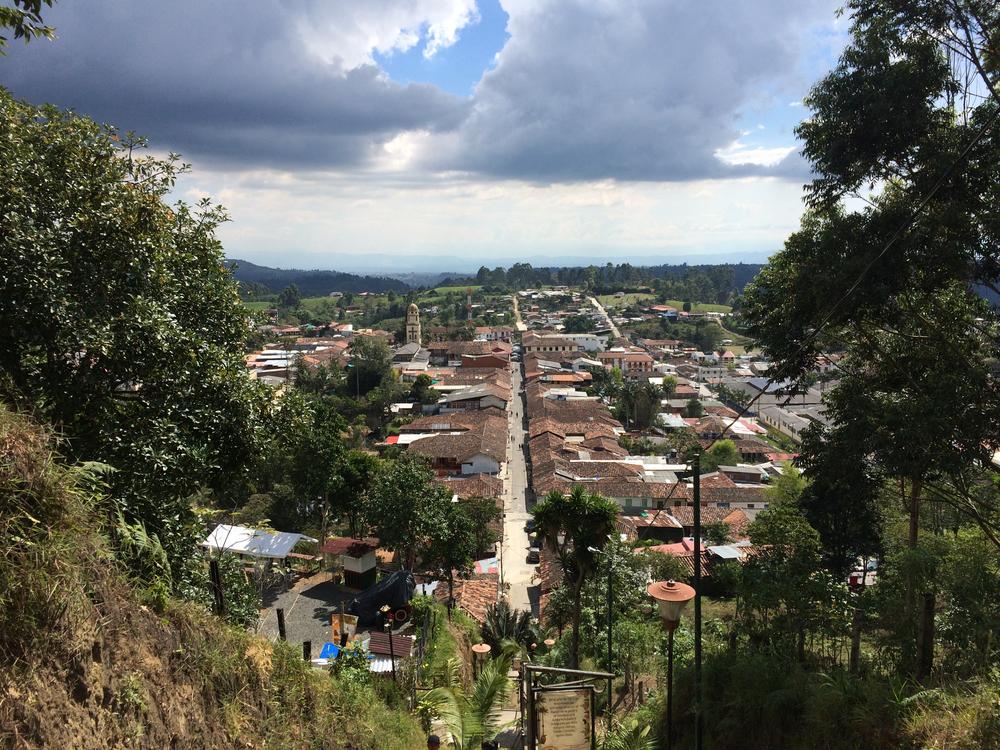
93, 655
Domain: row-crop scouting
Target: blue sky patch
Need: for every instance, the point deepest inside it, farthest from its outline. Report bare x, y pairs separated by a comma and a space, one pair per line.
458, 68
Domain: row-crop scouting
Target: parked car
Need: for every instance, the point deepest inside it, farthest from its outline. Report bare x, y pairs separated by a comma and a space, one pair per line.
533, 557
535, 541
529, 525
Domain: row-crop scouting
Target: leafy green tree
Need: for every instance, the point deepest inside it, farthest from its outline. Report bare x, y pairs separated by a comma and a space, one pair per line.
118, 320
784, 593
842, 499
484, 512
607, 383
716, 532
584, 520
421, 390
970, 578
578, 324
317, 468
788, 487
25, 20
890, 280
405, 509
722, 453
693, 409
669, 386
452, 548
359, 469
321, 380
370, 366
290, 297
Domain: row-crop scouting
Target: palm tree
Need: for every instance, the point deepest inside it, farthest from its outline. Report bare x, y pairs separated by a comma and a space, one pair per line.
647, 404
505, 624
469, 718
628, 395
584, 520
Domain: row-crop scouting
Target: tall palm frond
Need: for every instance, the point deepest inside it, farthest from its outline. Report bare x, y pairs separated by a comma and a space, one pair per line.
489, 693
452, 709
469, 718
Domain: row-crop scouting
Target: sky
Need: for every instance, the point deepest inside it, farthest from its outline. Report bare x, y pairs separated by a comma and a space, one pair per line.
418, 135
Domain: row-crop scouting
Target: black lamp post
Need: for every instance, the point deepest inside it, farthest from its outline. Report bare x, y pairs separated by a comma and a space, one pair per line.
611, 573
671, 598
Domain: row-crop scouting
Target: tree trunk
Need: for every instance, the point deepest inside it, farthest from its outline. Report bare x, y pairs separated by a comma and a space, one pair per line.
324, 520
855, 663
926, 638
451, 594
912, 543
575, 652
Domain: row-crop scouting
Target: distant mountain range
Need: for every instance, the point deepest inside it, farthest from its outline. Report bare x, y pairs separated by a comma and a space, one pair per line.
314, 283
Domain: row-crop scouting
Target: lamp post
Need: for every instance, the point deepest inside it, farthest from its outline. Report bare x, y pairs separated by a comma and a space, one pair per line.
611, 572
671, 598
479, 652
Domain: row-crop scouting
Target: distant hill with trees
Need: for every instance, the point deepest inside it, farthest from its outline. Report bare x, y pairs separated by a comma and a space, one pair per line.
716, 283
311, 283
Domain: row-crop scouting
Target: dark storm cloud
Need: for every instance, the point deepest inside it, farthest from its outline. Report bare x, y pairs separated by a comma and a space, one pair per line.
228, 81
584, 89
629, 89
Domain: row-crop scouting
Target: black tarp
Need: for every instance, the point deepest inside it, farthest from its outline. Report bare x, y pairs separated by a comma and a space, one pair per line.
396, 590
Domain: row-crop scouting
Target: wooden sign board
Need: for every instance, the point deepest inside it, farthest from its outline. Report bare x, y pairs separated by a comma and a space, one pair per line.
565, 718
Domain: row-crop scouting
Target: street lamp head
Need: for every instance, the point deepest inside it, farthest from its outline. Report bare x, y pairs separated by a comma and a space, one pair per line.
671, 598
480, 650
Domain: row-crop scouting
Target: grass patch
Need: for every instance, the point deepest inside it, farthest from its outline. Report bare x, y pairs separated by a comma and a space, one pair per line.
445, 642
700, 307
452, 289
611, 301
258, 306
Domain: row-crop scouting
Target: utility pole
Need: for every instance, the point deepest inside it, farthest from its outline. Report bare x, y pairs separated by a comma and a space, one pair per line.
696, 465
610, 575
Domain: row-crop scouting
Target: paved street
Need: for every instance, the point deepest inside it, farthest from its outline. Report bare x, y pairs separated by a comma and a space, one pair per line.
517, 572
602, 311
518, 323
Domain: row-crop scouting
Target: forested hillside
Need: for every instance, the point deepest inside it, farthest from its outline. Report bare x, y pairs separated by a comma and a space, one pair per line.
314, 283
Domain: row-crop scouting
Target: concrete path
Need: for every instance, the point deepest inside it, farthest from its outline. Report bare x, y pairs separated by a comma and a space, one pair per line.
602, 311
518, 323
517, 572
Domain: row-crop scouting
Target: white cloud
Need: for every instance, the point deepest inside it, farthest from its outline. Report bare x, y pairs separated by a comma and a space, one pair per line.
331, 220
738, 153
346, 34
